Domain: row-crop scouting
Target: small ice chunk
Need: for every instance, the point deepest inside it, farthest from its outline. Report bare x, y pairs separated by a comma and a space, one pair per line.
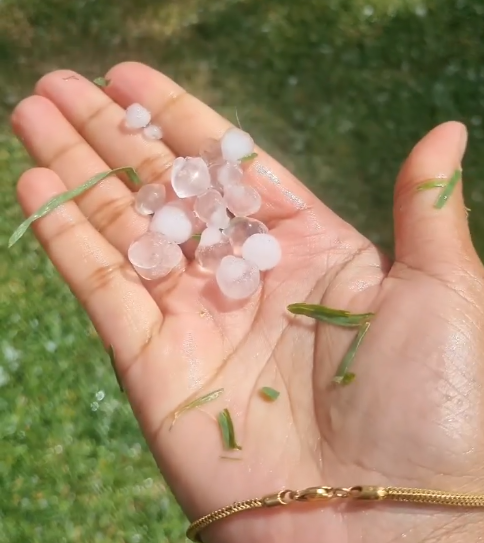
210, 151
240, 229
219, 218
263, 250
236, 144
213, 246
242, 200
137, 116
152, 132
237, 278
225, 174
153, 256
211, 236
189, 177
207, 204
174, 222
149, 198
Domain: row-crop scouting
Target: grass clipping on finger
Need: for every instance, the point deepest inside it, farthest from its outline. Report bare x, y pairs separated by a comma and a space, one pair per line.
60, 199
447, 187
344, 319
101, 82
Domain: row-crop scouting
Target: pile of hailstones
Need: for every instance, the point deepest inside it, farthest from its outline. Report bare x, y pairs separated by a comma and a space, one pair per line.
212, 201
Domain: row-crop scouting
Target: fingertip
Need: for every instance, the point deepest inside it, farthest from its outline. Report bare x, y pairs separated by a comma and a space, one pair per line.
134, 81
127, 66
27, 108
52, 79
439, 152
36, 186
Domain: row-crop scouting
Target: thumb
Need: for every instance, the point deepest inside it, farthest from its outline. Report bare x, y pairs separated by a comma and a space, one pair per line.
430, 239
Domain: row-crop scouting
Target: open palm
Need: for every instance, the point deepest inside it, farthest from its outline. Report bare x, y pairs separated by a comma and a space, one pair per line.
414, 415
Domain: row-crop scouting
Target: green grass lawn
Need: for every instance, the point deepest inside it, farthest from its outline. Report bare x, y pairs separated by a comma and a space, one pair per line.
339, 90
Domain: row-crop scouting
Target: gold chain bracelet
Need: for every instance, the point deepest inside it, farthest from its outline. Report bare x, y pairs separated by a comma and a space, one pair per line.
326, 493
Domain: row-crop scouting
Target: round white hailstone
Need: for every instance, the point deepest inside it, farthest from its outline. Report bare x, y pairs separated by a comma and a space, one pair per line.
240, 229
213, 247
219, 218
242, 200
263, 250
137, 116
211, 236
208, 203
189, 177
153, 256
174, 222
152, 132
236, 144
225, 174
149, 198
210, 151
237, 278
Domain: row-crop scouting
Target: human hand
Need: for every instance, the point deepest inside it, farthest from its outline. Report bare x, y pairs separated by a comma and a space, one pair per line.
413, 416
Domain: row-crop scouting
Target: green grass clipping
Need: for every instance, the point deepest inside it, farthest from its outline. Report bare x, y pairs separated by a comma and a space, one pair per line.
198, 402
227, 429
269, 394
60, 199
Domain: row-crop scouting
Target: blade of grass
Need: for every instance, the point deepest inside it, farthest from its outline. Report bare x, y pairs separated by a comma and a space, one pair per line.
337, 317
210, 397
237, 117
227, 429
269, 394
60, 199
448, 190
197, 237
113, 364
343, 376
431, 185
225, 457
101, 81
248, 157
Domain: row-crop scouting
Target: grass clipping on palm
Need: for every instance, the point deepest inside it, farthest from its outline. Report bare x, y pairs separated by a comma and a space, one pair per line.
60, 199
196, 403
227, 430
342, 318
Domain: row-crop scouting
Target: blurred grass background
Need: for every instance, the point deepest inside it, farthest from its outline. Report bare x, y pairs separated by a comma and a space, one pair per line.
338, 90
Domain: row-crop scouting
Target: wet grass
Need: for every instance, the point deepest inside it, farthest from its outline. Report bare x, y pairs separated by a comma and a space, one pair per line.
339, 90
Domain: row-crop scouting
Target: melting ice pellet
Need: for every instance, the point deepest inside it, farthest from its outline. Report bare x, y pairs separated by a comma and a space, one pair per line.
153, 256
241, 228
174, 222
190, 177
149, 198
237, 278
137, 116
263, 250
242, 200
236, 144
